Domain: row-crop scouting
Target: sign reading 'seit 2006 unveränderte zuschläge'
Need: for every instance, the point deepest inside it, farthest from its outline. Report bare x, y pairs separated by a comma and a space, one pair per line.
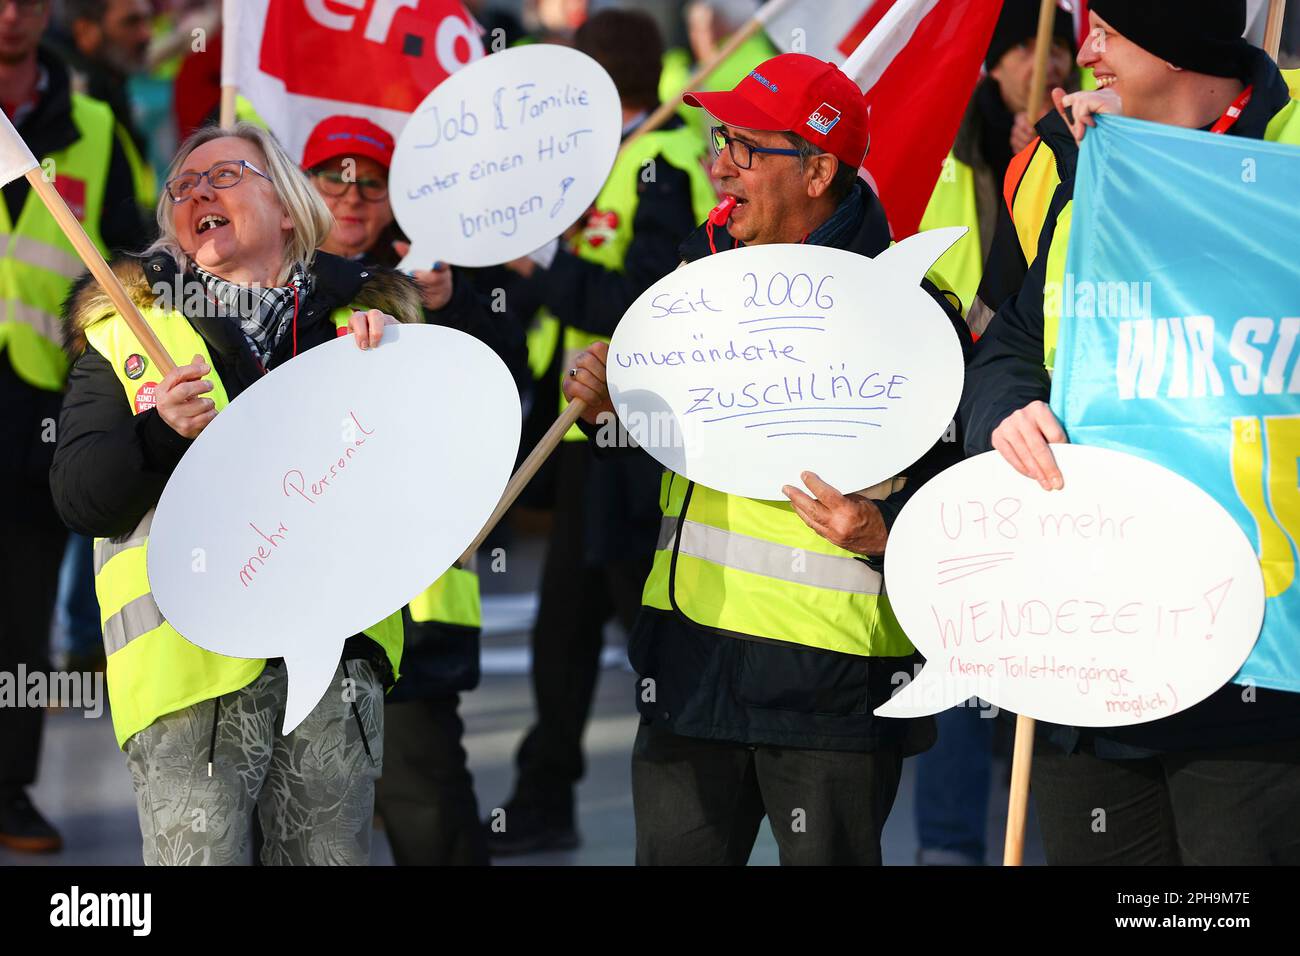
504, 155
742, 370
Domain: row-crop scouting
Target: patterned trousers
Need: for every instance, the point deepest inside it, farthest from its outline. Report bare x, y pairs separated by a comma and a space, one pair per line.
313, 790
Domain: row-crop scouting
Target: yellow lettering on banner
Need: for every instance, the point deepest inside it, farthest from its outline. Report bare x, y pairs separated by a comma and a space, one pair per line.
1276, 444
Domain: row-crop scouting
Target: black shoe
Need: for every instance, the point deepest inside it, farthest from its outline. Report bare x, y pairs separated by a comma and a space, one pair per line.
517, 830
23, 828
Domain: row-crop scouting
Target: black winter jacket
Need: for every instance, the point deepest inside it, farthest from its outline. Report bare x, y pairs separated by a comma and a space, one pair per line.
767, 692
111, 465
1007, 374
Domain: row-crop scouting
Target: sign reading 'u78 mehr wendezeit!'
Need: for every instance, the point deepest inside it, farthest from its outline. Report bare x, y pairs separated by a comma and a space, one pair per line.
746, 368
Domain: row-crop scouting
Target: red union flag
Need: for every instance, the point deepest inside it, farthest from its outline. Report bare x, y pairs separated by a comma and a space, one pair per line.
299, 61
919, 66
377, 53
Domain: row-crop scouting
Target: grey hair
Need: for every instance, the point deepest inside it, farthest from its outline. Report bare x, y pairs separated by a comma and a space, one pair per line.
845, 175
311, 218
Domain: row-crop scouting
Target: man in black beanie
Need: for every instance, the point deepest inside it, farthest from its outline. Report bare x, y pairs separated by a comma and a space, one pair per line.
1218, 783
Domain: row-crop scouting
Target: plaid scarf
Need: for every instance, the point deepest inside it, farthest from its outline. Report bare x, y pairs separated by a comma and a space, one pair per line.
264, 314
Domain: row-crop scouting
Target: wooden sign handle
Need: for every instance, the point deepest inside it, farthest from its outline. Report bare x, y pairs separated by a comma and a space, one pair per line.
1022, 761
550, 441
1273, 28
105, 276
1042, 50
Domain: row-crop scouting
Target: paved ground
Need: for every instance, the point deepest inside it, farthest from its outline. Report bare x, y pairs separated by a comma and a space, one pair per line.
85, 789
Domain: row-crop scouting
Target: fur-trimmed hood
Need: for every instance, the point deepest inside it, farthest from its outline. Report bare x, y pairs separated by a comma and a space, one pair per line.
337, 282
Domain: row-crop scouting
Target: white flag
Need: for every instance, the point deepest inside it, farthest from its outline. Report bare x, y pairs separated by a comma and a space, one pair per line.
15, 156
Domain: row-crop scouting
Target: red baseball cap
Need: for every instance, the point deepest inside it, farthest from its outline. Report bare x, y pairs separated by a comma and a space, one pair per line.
347, 136
796, 93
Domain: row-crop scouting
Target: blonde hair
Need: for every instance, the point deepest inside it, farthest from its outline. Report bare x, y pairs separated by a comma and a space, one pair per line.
312, 220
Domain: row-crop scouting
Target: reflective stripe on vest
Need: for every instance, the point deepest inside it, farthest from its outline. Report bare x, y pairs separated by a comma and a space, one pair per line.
682, 149
953, 204
151, 669
38, 263
1030, 196
752, 568
756, 556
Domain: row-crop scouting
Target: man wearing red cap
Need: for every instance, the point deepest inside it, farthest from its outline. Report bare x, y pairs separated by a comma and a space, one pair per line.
762, 705
1219, 782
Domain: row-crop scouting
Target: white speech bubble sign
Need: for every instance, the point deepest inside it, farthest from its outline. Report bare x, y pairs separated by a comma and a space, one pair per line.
746, 368
504, 155
329, 494
1128, 596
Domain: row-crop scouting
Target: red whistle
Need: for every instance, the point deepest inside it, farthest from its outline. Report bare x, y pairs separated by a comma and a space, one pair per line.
722, 211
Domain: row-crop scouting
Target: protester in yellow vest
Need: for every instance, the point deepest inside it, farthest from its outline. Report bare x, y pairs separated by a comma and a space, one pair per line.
80, 150
426, 796
605, 520
994, 129
709, 24
233, 287
1219, 782
765, 639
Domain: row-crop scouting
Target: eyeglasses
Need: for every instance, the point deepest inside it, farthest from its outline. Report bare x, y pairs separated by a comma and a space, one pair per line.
742, 153
332, 183
222, 175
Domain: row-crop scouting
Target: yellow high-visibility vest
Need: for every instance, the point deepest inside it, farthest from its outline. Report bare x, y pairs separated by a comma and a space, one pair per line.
754, 569
151, 669
37, 262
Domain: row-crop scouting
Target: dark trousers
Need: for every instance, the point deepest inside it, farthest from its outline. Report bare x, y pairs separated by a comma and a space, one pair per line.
29, 579
700, 802
426, 794
576, 600
1232, 807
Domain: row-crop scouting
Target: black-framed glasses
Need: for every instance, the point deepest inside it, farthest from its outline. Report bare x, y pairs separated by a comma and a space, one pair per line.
742, 153
222, 175
333, 183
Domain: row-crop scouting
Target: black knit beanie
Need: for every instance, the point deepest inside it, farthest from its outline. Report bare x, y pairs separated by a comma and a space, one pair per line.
1203, 36
1019, 23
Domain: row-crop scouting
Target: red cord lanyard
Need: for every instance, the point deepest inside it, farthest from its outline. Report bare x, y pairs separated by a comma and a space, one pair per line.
1228, 119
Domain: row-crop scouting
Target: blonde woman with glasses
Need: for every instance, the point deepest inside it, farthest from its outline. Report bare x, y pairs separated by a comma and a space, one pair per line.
234, 287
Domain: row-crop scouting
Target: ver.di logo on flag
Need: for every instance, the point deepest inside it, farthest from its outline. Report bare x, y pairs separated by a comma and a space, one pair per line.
824, 118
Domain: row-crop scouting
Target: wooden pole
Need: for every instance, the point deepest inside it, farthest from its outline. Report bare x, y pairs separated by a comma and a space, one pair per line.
1273, 28
1022, 760
707, 69
105, 276
554, 435
229, 61
1042, 50
228, 95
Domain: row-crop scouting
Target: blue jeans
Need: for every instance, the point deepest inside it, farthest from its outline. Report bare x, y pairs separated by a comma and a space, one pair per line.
952, 787
78, 608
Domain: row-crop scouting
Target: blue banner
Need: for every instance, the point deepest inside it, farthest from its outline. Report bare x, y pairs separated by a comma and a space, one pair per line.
1180, 334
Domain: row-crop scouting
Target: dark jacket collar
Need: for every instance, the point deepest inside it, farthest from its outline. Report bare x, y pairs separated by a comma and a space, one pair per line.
870, 239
